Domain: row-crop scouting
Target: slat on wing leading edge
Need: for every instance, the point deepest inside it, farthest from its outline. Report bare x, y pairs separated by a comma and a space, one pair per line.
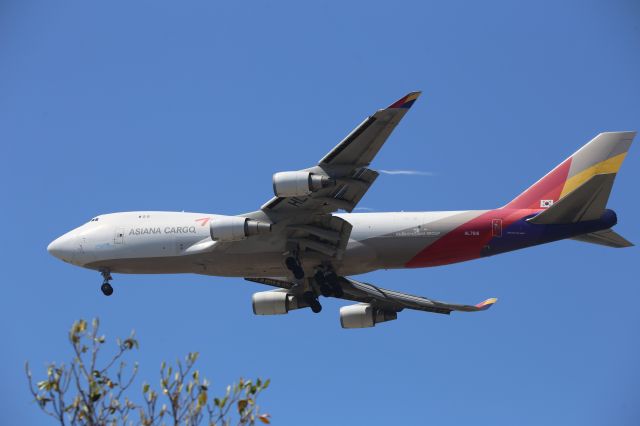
363, 143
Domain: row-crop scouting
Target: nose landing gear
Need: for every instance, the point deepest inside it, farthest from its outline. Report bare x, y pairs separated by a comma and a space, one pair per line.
106, 288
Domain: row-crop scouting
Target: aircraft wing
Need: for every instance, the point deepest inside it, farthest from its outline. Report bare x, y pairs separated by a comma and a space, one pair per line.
388, 300
396, 301
346, 165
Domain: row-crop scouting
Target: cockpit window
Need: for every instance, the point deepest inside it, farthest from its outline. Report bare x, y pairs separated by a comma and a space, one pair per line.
95, 219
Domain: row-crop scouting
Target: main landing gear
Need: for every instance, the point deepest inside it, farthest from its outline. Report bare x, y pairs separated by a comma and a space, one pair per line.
293, 264
328, 283
106, 288
312, 301
326, 280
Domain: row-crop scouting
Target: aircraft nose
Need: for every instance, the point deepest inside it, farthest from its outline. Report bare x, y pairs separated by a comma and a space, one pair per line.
63, 247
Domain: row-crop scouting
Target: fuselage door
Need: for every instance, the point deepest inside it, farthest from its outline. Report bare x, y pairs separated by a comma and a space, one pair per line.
496, 227
118, 238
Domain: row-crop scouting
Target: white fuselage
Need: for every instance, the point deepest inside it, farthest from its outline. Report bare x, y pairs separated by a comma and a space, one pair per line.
179, 242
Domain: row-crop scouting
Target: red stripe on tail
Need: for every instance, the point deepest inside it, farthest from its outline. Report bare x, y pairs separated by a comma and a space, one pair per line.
547, 188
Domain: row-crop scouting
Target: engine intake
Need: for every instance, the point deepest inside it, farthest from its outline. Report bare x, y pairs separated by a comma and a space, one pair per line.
233, 228
364, 315
300, 183
274, 302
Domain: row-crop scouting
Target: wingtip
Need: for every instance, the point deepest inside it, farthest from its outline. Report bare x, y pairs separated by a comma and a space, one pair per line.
487, 303
623, 134
406, 101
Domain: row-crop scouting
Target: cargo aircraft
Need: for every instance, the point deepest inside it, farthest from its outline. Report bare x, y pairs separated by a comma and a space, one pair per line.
301, 243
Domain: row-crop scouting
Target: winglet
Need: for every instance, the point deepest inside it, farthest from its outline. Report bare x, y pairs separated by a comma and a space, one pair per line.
486, 304
406, 101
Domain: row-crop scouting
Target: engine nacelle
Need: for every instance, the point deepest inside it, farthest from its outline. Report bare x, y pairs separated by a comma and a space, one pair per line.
364, 315
275, 302
299, 184
233, 228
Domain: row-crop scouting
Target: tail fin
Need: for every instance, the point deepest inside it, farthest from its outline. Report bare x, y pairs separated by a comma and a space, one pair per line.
594, 166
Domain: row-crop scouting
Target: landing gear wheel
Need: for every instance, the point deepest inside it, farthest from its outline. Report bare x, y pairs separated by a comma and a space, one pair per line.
298, 273
312, 301
106, 288
325, 290
331, 280
294, 266
338, 292
316, 307
291, 263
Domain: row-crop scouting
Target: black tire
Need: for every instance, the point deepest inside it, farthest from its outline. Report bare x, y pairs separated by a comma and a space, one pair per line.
106, 288
319, 277
325, 290
316, 307
331, 278
298, 272
291, 263
337, 291
308, 297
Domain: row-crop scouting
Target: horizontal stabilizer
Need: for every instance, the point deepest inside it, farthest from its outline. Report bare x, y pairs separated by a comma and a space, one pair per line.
607, 237
586, 202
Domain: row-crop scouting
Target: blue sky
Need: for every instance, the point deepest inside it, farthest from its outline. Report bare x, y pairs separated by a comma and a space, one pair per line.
164, 105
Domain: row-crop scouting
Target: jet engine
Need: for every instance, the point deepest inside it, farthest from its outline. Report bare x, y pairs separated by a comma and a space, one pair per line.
274, 302
234, 228
364, 315
299, 184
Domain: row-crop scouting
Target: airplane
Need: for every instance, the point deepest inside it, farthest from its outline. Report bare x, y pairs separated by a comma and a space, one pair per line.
307, 242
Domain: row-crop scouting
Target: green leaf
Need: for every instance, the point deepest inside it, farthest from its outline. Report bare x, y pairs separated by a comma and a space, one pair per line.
145, 388
202, 399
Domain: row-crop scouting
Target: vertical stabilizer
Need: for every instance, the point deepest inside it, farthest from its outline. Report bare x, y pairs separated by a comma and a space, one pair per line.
602, 155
